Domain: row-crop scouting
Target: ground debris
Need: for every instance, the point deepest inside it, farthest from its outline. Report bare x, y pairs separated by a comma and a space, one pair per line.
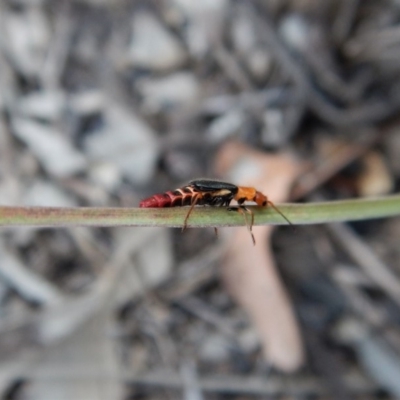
105, 103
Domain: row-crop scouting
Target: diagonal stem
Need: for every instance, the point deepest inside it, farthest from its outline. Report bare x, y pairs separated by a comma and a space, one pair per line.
311, 213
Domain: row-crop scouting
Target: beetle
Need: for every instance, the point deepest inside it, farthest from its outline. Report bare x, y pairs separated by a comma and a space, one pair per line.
211, 193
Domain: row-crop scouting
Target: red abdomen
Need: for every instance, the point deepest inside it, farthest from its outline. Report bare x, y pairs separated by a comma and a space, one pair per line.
157, 200
168, 199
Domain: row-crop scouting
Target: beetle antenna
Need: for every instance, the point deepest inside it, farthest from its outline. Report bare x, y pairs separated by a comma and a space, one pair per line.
270, 203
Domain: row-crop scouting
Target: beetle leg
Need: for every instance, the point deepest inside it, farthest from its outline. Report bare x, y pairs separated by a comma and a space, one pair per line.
195, 199
244, 210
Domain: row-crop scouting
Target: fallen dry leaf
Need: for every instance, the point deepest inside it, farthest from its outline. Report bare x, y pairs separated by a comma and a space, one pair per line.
250, 271
375, 179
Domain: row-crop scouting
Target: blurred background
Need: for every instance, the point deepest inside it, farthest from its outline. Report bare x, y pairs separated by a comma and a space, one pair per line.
103, 103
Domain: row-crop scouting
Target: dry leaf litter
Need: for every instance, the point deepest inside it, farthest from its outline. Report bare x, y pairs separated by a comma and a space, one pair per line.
104, 103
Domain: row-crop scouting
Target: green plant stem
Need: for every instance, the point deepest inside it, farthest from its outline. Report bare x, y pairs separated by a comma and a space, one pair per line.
311, 213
